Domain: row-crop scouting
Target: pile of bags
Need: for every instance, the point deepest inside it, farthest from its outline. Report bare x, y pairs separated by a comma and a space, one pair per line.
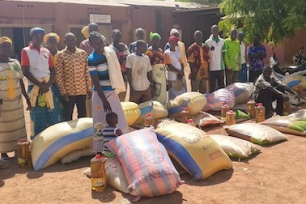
294, 123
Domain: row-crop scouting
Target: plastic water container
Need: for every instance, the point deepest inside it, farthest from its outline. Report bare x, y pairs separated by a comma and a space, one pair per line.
224, 110
98, 173
260, 113
24, 154
230, 118
251, 109
149, 120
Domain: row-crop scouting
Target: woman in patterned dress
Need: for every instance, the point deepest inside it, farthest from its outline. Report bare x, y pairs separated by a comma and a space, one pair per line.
12, 123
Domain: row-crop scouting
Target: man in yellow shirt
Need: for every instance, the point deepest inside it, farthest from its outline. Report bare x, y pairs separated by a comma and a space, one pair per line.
232, 58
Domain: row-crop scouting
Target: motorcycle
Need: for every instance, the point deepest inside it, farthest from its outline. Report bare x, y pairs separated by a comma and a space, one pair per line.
299, 58
284, 72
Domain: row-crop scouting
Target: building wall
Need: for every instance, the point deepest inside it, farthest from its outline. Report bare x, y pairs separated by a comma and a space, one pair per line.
292, 45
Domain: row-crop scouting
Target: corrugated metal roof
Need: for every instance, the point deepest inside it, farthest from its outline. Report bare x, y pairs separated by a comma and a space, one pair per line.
125, 3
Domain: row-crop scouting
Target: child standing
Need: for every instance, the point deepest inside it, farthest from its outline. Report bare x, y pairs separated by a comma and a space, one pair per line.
110, 132
139, 72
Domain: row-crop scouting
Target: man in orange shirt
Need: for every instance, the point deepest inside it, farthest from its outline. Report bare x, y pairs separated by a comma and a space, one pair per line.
73, 77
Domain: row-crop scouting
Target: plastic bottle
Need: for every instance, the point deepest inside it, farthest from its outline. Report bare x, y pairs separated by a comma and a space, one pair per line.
251, 109
149, 120
190, 122
24, 154
287, 108
185, 114
230, 118
224, 110
98, 173
260, 113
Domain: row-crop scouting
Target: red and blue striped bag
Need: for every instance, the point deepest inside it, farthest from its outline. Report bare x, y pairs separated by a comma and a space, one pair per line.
146, 164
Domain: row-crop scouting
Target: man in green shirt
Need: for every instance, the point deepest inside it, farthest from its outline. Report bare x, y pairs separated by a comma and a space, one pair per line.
232, 58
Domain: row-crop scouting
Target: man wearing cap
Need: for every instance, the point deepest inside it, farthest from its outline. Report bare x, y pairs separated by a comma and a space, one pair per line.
38, 68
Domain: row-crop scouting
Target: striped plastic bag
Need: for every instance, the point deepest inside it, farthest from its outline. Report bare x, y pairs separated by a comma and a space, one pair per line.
146, 164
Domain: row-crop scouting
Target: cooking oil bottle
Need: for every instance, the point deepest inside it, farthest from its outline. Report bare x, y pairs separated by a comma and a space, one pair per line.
251, 109
98, 173
230, 117
24, 154
287, 108
149, 120
185, 115
224, 110
260, 113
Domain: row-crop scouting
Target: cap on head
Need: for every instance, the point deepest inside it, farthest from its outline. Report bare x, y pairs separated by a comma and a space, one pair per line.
174, 31
36, 30
5, 39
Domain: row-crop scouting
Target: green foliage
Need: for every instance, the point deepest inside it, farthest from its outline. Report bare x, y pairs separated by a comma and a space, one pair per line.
272, 19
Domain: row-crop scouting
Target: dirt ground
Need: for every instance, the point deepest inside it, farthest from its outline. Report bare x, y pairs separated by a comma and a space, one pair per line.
277, 175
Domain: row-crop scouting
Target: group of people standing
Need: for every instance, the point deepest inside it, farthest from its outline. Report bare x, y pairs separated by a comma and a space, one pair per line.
94, 76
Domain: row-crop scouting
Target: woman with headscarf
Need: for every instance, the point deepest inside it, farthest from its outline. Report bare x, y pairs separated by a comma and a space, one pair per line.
156, 55
38, 68
175, 75
12, 123
105, 72
51, 40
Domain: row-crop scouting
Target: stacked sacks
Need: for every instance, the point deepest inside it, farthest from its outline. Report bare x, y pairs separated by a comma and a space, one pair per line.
131, 112
155, 108
203, 119
147, 167
218, 98
193, 101
256, 133
293, 81
242, 91
235, 147
292, 124
193, 149
60, 139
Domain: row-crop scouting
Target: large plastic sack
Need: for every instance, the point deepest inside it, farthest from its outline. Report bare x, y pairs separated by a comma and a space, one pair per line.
193, 149
287, 124
242, 91
146, 164
218, 98
164, 122
160, 81
203, 119
114, 173
131, 112
235, 147
300, 114
77, 154
155, 108
292, 81
193, 101
58, 140
256, 133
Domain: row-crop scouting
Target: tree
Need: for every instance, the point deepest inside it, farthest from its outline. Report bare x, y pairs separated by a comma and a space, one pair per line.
272, 19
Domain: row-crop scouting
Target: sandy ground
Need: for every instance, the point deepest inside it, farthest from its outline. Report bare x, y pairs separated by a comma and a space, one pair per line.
277, 175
